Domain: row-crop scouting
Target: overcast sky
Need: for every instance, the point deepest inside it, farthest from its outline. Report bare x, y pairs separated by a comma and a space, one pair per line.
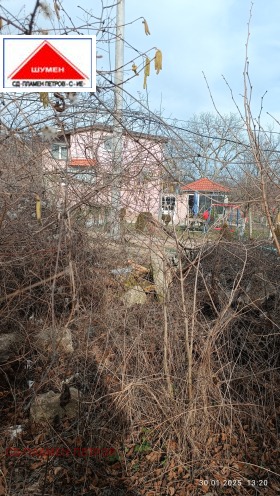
198, 36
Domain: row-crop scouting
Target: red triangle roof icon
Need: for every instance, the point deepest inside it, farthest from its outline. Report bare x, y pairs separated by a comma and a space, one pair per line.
48, 63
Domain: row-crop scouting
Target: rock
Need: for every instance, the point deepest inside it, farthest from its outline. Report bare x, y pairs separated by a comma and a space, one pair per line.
64, 341
166, 218
144, 222
162, 274
134, 296
47, 406
61, 339
123, 271
9, 345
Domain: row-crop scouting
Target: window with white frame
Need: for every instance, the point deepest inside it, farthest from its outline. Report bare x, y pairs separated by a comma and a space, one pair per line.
168, 202
59, 151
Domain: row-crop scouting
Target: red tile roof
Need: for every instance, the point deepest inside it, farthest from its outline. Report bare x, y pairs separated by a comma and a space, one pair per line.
204, 184
81, 162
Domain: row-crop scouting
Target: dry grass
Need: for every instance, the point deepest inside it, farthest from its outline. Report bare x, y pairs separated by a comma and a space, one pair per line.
226, 423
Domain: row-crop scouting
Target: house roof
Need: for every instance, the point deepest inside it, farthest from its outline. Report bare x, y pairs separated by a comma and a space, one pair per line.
204, 184
109, 129
82, 162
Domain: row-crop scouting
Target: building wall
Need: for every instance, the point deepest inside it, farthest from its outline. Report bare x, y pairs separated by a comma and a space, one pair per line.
182, 210
140, 181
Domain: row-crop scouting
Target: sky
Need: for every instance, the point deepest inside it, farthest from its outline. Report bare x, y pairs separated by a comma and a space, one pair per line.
209, 36
196, 37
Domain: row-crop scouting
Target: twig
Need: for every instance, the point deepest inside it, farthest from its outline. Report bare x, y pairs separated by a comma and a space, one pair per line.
35, 285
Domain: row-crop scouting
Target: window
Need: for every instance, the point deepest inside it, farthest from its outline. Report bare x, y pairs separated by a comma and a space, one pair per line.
85, 174
190, 201
168, 202
59, 151
204, 202
108, 144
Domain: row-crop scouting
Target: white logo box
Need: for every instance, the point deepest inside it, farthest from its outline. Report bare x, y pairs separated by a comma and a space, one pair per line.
47, 63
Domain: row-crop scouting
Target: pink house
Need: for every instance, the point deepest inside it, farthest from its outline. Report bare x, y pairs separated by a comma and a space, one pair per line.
80, 168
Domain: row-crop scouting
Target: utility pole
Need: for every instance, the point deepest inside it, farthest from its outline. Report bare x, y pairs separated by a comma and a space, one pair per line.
117, 124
